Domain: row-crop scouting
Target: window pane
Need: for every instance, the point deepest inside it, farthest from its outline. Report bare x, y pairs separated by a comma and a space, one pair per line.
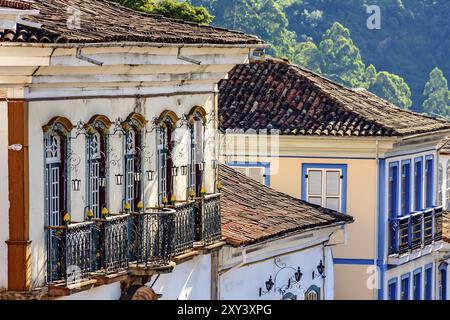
333, 183
333, 204
315, 182
315, 200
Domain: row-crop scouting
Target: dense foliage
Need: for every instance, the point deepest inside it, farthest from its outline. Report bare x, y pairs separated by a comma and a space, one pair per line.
331, 37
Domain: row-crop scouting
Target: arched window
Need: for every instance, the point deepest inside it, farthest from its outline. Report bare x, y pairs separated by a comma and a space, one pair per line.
197, 120
97, 159
447, 191
56, 137
313, 293
134, 128
167, 123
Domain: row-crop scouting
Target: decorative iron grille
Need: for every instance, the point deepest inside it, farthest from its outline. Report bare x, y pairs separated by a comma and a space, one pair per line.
69, 253
208, 223
152, 237
110, 244
184, 227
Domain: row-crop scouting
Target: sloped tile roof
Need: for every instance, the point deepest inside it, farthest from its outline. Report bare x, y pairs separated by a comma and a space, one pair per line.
252, 212
15, 4
103, 21
273, 94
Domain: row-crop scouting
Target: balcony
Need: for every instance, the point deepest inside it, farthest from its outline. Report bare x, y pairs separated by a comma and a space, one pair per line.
152, 238
415, 232
184, 227
69, 252
107, 250
110, 244
208, 223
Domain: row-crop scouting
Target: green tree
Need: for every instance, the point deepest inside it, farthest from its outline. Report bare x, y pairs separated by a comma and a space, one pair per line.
171, 9
392, 88
437, 95
341, 59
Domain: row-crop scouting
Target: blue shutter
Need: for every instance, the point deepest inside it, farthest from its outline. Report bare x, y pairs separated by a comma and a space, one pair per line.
405, 287
428, 282
417, 282
418, 184
392, 289
393, 190
406, 188
430, 177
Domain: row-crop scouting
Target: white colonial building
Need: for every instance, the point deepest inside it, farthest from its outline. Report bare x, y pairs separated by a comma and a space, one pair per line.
108, 162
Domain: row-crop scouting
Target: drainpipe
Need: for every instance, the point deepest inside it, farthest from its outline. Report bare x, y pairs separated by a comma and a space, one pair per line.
377, 210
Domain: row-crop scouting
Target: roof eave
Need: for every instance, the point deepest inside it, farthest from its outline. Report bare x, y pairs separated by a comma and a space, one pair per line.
132, 44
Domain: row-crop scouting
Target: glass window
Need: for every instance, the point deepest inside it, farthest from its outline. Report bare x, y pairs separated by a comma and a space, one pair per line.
196, 159
440, 186
443, 281
165, 162
133, 170
392, 293
406, 187
405, 288
429, 186
428, 283
393, 190
418, 187
257, 173
97, 172
417, 288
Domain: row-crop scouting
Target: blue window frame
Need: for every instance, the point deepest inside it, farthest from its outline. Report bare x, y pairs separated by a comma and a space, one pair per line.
258, 165
418, 185
326, 193
429, 281
429, 181
417, 284
404, 292
443, 281
393, 190
406, 188
392, 287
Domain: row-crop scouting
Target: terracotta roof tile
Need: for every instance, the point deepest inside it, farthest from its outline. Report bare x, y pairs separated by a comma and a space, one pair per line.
15, 4
273, 94
103, 21
252, 212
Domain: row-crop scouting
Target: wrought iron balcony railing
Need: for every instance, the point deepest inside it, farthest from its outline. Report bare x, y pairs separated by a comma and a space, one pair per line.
208, 223
415, 231
184, 227
69, 253
152, 237
110, 244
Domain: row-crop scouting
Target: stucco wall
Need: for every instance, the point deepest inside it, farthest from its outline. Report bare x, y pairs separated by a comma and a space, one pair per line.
353, 282
75, 110
243, 283
106, 292
285, 176
4, 202
190, 280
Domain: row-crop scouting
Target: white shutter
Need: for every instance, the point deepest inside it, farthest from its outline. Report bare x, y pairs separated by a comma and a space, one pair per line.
324, 188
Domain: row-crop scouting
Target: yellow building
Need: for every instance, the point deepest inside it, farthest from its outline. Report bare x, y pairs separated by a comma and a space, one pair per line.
347, 150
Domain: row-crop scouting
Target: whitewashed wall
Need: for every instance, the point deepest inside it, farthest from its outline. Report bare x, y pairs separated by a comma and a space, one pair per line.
240, 278
4, 201
190, 280
75, 110
106, 292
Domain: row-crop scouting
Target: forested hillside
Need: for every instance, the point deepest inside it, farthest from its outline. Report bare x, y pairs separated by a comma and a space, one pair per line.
406, 61
413, 40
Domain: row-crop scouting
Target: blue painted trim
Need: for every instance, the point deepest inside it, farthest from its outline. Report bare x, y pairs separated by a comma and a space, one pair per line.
391, 282
343, 167
394, 175
265, 165
362, 262
418, 271
381, 225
